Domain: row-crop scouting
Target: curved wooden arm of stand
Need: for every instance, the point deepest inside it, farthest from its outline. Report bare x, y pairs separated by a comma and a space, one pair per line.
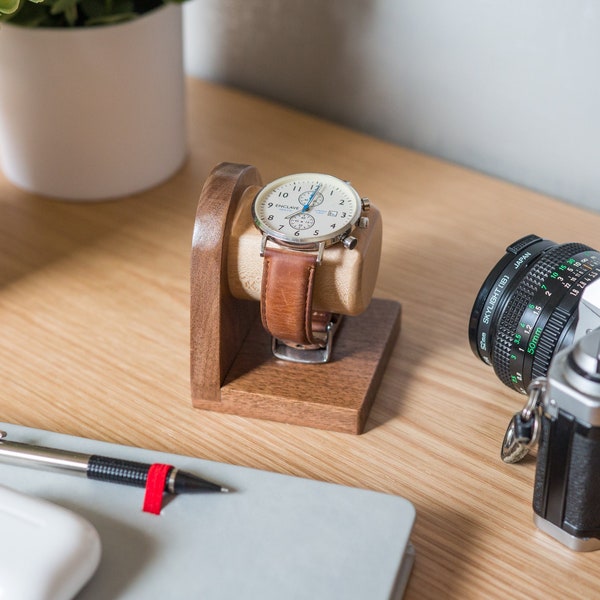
219, 322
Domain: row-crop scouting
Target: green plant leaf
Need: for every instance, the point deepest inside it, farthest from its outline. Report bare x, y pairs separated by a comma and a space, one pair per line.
75, 13
7, 7
68, 8
32, 14
105, 12
111, 19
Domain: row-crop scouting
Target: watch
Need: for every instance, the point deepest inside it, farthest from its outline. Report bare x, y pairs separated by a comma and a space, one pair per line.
300, 216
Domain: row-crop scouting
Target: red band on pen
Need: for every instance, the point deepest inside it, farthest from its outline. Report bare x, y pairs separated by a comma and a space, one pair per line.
155, 487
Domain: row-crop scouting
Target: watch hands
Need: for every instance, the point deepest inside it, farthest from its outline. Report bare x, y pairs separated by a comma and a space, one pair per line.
306, 206
311, 198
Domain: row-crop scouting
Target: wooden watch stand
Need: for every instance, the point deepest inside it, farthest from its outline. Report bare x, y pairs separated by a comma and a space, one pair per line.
232, 368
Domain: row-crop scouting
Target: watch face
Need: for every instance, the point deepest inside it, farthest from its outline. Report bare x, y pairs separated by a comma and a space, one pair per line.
306, 209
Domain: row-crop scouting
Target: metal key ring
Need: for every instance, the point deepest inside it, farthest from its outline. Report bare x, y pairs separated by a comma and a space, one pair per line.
535, 390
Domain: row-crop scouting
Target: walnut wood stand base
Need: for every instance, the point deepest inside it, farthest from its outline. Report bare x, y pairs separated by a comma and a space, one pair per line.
232, 368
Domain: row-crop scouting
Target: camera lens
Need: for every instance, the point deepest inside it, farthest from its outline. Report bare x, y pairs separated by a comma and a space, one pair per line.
526, 309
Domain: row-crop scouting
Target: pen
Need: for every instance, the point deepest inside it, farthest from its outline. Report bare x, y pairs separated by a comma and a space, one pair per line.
102, 468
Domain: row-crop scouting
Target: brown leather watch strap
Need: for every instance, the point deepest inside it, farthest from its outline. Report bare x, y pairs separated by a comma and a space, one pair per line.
286, 297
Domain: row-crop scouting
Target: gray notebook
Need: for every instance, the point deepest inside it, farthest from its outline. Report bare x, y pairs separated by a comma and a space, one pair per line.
273, 537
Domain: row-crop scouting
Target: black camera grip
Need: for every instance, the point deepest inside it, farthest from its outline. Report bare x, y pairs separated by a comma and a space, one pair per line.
567, 479
582, 506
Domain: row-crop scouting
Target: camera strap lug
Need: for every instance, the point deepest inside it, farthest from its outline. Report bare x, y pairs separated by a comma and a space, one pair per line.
524, 428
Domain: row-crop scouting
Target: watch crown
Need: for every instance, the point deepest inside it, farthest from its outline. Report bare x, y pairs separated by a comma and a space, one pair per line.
366, 204
349, 242
363, 222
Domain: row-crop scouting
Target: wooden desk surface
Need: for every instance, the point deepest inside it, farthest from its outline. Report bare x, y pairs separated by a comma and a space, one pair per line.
94, 339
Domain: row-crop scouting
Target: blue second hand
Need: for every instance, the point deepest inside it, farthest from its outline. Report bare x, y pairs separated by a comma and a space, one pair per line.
307, 205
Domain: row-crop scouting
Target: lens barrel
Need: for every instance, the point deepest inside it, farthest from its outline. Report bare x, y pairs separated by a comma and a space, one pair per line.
526, 309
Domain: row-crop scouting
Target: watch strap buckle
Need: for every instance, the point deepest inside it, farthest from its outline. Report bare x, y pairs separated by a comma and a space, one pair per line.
316, 354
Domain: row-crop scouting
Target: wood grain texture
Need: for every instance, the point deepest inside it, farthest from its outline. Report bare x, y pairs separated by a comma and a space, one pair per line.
94, 322
218, 321
335, 396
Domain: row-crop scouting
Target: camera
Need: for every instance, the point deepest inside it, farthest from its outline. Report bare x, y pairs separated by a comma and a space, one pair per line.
536, 321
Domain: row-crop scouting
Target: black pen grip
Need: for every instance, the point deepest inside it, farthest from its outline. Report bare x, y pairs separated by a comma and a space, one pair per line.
127, 472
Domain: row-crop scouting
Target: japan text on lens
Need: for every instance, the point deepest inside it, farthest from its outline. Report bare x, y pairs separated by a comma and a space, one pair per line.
529, 307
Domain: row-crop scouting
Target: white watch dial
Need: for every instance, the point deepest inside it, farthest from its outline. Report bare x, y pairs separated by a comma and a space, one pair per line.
306, 209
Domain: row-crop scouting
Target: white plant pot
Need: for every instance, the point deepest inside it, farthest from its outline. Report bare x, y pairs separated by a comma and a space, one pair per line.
93, 113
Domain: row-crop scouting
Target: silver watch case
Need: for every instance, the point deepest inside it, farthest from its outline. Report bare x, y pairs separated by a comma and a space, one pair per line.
318, 243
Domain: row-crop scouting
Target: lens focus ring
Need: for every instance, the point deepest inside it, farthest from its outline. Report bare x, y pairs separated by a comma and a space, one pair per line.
522, 296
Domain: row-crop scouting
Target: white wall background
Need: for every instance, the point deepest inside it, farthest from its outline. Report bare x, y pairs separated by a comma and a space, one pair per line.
507, 87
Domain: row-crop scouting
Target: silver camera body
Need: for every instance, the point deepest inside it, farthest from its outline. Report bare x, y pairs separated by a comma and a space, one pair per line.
566, 498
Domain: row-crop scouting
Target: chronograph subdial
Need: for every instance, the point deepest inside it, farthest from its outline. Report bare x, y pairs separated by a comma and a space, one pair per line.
311, 198
301, 221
